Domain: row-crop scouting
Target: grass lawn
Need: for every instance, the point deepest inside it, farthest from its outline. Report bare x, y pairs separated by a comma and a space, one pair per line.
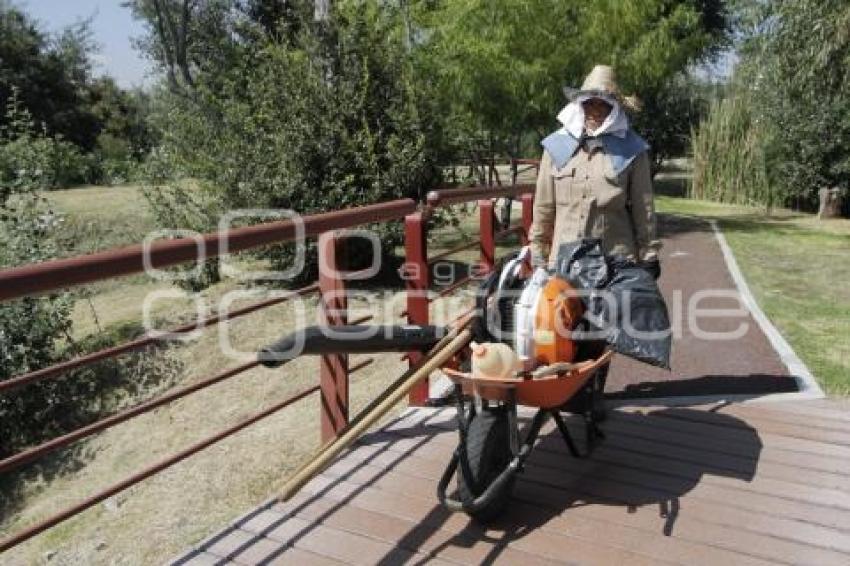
798, 268
100, 218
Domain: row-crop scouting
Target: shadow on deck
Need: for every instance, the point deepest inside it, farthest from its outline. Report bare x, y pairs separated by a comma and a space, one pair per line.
744, 484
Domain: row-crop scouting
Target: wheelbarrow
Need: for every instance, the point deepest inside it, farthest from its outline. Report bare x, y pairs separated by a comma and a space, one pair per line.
492, 449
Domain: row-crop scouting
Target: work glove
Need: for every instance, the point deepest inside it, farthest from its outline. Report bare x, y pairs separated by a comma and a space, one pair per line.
653, 266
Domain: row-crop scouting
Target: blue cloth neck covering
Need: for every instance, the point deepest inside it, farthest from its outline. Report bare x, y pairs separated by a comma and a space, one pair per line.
561, 146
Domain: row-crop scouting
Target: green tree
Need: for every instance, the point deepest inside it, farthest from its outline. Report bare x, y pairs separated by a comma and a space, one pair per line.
190, 40
327, 118
100, 129
50, 74
502, 64
30, 328
34, 331
790, 103
798, 71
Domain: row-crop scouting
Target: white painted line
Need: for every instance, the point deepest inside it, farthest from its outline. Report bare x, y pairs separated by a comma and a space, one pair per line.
809, 388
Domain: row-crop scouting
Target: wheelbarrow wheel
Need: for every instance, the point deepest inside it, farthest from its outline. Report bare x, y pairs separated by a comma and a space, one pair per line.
488, 452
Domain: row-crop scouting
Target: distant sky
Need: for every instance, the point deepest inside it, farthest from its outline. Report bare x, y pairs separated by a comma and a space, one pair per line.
113, 28
720, 70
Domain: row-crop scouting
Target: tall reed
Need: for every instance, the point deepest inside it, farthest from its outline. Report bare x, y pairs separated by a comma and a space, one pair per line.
728, 151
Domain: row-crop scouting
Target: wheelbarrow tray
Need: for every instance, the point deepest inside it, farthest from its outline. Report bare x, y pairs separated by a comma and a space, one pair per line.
546, 392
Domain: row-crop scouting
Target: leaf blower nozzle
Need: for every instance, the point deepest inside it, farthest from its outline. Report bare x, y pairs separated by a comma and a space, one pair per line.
354, 339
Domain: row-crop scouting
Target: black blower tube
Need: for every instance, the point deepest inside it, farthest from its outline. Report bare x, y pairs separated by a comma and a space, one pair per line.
355, 339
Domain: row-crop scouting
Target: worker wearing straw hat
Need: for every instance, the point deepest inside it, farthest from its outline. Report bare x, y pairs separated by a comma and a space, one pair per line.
594, 179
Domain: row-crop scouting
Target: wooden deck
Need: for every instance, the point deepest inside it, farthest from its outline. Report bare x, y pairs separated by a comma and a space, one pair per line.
724, 484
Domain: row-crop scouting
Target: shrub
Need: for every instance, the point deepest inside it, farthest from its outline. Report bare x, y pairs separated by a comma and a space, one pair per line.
181, 207
69, 166
667, 117
329, 121
34, 331
783, 134
798, 74
32, 161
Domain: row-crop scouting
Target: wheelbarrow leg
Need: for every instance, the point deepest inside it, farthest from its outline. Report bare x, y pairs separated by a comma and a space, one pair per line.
591, 415
565, 433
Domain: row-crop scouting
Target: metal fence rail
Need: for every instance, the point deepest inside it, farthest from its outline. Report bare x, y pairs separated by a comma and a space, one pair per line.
334, 369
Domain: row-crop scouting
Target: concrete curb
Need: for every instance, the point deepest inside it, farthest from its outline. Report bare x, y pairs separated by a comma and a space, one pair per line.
809, 388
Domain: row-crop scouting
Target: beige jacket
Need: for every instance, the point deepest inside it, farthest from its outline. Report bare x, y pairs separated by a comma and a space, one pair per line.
584, 199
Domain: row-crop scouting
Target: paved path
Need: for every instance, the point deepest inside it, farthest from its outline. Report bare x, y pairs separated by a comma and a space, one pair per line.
692, 262
735, 484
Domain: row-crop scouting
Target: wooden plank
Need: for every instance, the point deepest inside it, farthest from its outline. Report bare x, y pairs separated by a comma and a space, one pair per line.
836, 403
688, 526
661, 486
708, 436
686, 448
804, 415
229, 543
765, 523
689, 434
553, 544
792, 434
341, 545
699, 427
744, 485
197, 558
758, 494
463, 546
769, 547
427, 517
259, 551
802, 510
725, 418
837, 408
293, 556
730, 463
797, 412
623, 486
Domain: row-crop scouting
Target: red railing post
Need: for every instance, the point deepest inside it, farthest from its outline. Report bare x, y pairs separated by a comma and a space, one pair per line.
488, 235
333, 368
527, 201
417, 282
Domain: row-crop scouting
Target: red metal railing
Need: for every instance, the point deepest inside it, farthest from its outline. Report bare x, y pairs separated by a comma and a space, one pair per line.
334, 369
418, 262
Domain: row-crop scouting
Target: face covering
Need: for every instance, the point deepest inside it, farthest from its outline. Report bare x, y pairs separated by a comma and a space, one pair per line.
572, 118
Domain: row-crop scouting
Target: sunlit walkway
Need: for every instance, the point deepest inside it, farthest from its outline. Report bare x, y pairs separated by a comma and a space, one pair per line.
759, 483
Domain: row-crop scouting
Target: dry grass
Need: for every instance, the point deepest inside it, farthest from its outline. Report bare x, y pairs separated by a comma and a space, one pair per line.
163, 515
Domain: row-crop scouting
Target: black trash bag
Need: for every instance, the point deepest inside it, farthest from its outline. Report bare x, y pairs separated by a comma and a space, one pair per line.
641, 326
584, 264
622, 300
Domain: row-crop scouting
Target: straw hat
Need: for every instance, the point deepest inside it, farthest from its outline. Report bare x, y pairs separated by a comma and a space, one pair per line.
602, 82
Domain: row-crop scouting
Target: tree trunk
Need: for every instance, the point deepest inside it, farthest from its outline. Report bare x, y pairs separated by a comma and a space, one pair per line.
831, 202
321, 10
